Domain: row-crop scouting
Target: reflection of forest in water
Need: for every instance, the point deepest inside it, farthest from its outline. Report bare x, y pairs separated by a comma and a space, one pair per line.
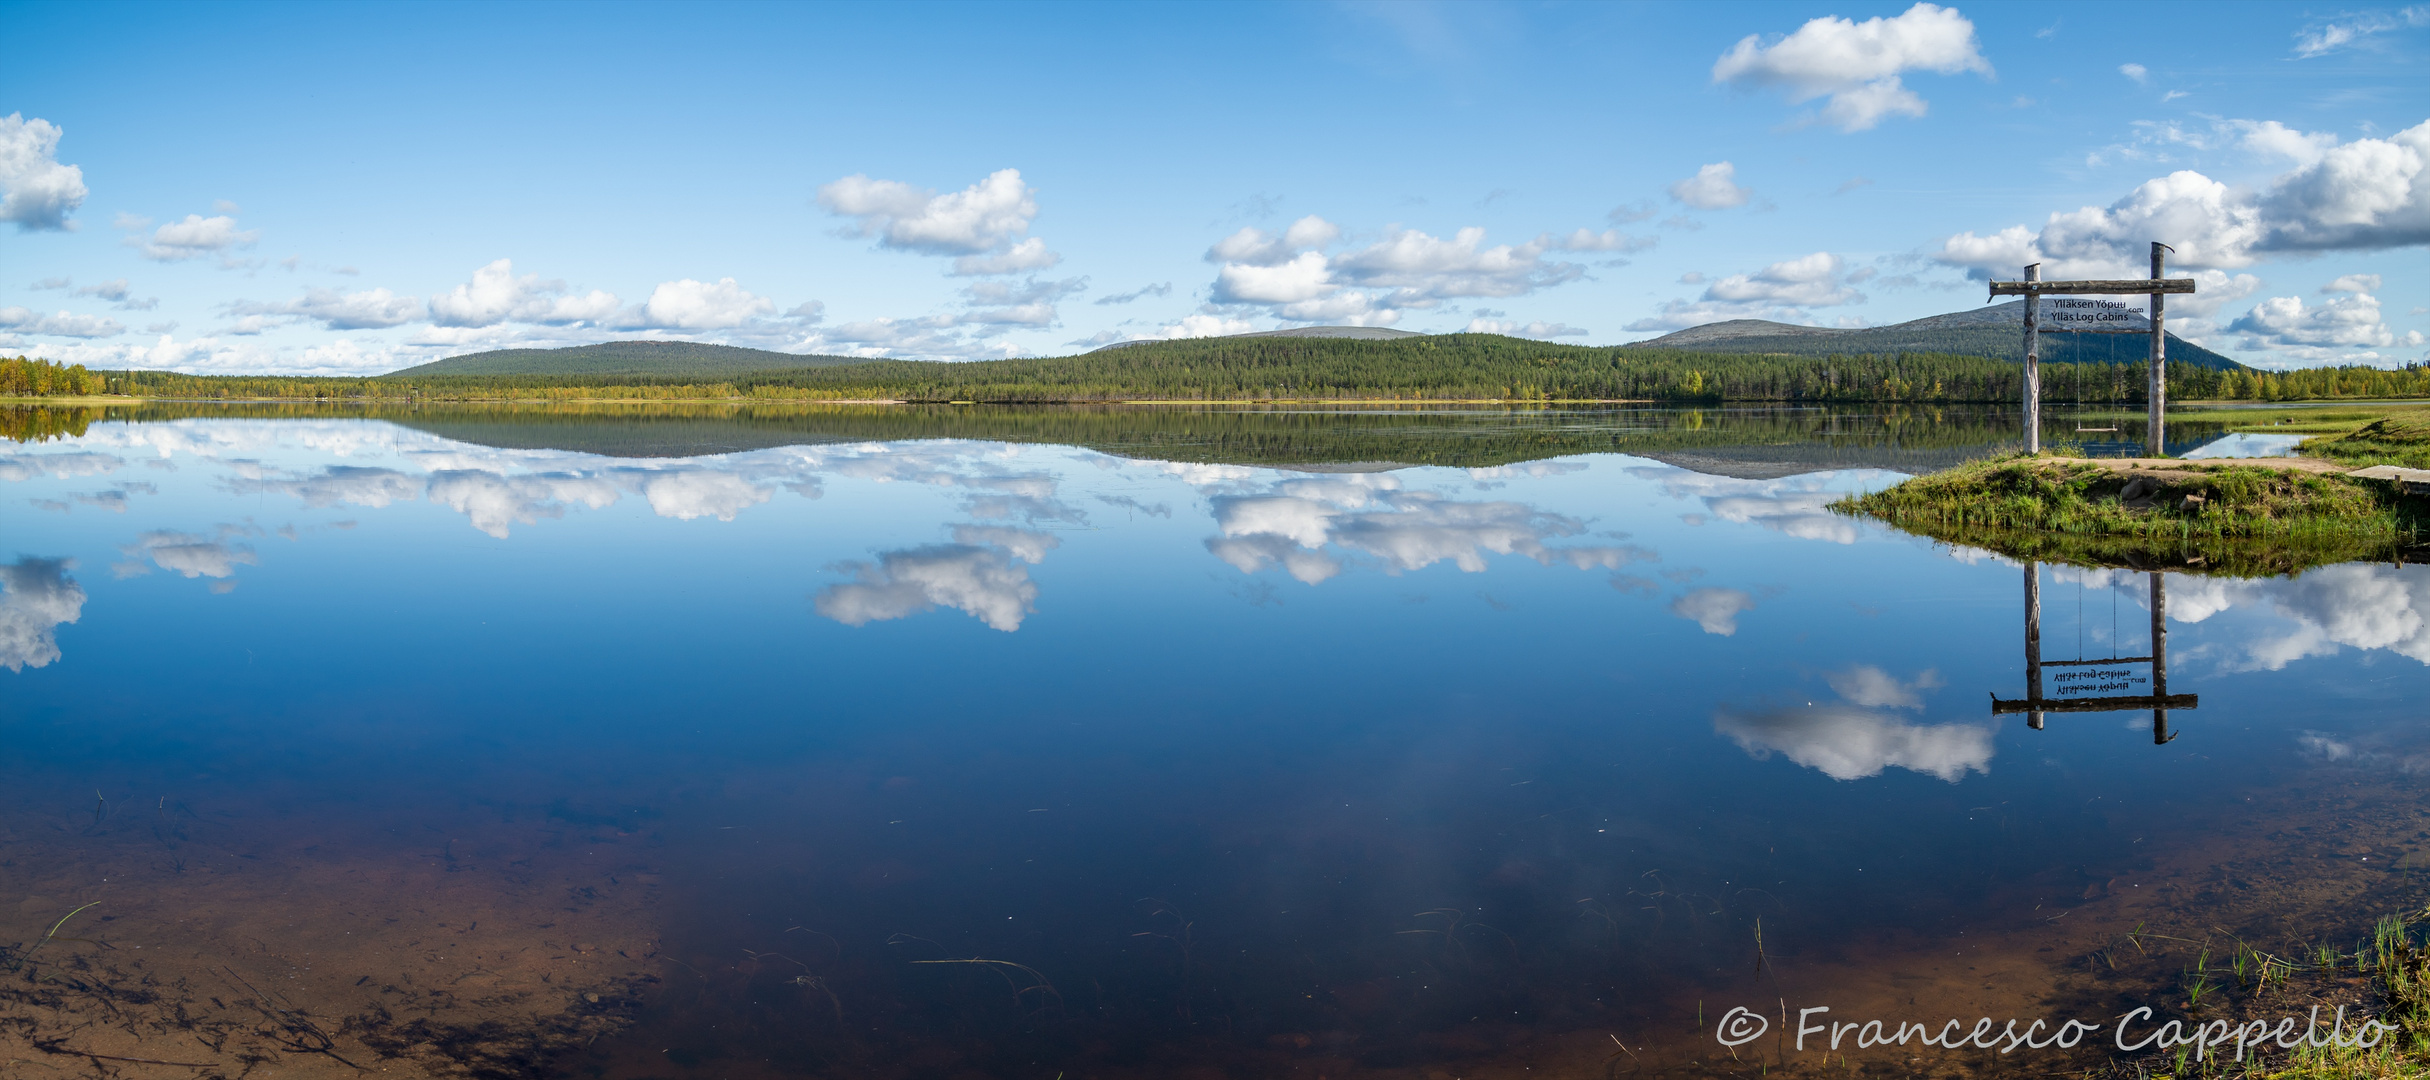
1752, 441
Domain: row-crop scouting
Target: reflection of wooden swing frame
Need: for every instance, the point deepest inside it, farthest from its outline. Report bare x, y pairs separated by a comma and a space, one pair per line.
2034, 705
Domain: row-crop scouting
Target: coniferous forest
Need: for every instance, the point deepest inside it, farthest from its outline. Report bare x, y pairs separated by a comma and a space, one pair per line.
1449, 367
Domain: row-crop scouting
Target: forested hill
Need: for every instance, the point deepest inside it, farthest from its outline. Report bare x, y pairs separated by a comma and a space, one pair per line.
664, 359
1995, 331
1439, 367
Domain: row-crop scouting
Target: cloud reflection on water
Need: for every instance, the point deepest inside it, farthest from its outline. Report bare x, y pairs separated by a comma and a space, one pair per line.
353, 485
1293, 521
188, 554
1860, 736
1798, 506
36, 597
1716, 610
65, 466
2357, 605
978, 574
1850, 742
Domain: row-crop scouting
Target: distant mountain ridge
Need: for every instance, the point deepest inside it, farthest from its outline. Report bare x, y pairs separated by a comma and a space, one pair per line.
650, 358
1995, 331
1353, 333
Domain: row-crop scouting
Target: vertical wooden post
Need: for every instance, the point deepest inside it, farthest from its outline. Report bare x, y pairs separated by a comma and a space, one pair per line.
2156, 438
2160, 734
2033, 365
2033, 632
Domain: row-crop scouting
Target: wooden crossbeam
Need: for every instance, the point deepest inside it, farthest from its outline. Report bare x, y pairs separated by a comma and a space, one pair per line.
2094, 704
2123, 287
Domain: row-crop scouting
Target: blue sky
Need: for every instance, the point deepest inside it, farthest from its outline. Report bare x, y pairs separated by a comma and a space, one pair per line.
352, 189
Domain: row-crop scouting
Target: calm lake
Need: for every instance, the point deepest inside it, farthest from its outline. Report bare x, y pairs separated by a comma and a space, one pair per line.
1043, 742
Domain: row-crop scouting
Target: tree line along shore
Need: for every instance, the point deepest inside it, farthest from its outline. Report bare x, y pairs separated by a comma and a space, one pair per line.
1449, 367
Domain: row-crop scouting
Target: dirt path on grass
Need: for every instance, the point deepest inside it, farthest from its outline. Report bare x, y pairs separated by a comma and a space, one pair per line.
2319, 466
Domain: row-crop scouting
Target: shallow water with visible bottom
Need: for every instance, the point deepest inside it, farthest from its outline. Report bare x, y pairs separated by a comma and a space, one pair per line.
1198, 743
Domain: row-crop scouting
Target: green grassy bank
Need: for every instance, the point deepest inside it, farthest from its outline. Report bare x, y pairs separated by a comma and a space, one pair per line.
2210, 517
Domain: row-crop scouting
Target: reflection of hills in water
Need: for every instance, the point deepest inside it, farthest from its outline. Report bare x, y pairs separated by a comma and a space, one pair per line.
1775, 462
1750, 443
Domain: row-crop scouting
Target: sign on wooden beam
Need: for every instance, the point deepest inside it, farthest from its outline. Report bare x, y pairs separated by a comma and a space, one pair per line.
2124, 314
2073, 316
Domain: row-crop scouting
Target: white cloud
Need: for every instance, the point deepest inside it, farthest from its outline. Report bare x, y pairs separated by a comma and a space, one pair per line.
63, 324
2353, 283
929, 335
1203, 325
2137, 72
194, 237
1295, 279
2345, 30
36, 597
351, 356
1256, 247
206, 355
36, 191
1816, 280
1159, 289
1030, 254
1845, 742
1857, 65
2269, 138
1421, 269
1781, 292
2331, 330
1714, 187
371, 309
495, 295
1308, 276
973, 221
2367, 194
1609, 240
1538, 329
701, 305
1031, 303
1715, 610
1631, 213
116, 289
2364, 195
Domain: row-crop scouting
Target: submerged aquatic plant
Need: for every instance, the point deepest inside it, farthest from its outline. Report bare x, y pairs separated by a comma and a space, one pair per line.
54, 931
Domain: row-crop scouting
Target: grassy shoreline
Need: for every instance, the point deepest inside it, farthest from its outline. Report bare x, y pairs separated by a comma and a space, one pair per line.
2239, 518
